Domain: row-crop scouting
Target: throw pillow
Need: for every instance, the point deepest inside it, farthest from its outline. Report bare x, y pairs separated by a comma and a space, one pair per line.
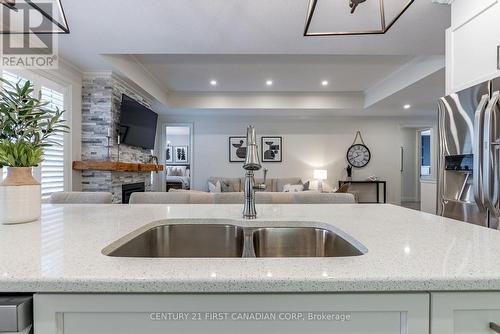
293, 188
343, 189
327, 188
214, 188
306, 186
227, 187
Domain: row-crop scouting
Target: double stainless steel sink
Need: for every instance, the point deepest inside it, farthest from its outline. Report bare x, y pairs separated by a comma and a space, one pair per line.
186, 239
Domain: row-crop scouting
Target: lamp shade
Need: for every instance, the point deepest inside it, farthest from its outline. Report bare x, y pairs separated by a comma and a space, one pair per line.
320, 174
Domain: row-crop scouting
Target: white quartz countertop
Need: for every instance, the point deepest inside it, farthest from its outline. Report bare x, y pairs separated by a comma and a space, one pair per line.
407, 251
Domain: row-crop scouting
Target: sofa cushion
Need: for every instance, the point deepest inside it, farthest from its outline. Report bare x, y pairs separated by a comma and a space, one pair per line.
270, 183
235, 182
293, 188
214, 188
281, 182
227, 187
274, 198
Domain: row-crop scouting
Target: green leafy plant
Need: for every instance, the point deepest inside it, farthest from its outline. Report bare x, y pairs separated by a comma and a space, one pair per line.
26, 125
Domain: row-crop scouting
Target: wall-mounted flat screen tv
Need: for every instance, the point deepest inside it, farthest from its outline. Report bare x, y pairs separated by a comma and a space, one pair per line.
137, 124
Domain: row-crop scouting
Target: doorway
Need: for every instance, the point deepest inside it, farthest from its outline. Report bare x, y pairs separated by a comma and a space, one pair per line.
416, 165
177, 156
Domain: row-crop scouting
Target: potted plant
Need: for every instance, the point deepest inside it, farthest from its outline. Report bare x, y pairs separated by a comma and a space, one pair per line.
26, 127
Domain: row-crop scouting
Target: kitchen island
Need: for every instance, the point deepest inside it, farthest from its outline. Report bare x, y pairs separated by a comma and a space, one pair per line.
411, 260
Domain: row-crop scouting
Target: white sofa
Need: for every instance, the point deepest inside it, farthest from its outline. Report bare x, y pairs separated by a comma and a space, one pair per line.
197, 197
273, 184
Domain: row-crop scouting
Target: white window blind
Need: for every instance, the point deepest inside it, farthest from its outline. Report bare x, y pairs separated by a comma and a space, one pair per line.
52, 171
13, 79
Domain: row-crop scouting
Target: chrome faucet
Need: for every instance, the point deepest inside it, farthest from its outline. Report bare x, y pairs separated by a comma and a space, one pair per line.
252, 163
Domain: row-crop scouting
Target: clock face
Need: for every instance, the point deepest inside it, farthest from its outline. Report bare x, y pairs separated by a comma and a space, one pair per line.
358, 155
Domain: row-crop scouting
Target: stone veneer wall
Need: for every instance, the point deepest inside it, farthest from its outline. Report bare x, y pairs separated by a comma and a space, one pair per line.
102, 94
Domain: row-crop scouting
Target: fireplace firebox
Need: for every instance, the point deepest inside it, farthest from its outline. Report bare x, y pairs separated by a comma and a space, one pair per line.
128, 189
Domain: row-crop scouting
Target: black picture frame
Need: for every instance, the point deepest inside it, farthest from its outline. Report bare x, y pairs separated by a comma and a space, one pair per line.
267, 152
234, 152
185, 151
169, 155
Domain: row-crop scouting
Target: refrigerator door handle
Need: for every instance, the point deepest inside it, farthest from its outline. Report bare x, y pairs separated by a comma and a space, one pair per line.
477, 152
490, 163
440, 175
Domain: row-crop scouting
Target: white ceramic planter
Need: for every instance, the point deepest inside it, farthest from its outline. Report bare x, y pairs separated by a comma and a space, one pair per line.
20, 197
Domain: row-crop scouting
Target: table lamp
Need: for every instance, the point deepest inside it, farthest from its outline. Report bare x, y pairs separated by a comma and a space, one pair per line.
320, 175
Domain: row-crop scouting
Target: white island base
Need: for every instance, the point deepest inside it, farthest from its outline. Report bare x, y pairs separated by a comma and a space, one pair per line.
396, 313
242, 314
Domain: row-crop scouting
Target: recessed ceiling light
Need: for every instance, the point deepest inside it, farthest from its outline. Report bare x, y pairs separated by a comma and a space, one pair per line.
269, 82
213, 82
324, 83
407, 106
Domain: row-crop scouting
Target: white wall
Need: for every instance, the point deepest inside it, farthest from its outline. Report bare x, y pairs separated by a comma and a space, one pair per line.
178, 140
308, 144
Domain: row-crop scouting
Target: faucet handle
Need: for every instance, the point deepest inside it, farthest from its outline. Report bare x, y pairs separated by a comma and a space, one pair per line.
262, 186
265, 175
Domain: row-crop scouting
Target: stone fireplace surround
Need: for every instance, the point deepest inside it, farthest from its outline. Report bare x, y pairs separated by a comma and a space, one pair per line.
101, 99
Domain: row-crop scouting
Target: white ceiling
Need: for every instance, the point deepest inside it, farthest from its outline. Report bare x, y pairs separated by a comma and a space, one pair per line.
232, 27
289, 73
422, 96
180, 45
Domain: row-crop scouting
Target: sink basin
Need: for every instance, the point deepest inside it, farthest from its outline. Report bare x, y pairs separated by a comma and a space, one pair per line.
301, 242
182, 240
223, 238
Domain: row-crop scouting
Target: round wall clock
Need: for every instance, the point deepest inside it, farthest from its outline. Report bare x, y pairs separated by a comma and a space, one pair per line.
358, 155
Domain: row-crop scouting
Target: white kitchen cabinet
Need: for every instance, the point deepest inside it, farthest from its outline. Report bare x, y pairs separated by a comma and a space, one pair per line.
464, 313
216, 313
473, 43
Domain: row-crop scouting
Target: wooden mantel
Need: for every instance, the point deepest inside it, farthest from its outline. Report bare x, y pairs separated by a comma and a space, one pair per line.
116, 166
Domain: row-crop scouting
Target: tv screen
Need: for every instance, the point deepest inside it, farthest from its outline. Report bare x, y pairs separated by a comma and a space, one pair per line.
137, 124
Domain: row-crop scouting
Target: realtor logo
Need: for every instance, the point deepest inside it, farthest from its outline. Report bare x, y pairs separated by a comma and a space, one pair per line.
27, 35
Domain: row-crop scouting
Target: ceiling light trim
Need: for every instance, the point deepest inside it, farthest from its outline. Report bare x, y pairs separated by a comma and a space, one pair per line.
312, 9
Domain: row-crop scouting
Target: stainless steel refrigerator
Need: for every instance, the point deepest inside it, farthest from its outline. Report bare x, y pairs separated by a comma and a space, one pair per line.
469, 160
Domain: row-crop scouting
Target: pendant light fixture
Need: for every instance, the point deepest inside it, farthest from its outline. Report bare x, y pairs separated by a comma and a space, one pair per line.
51, 18
353, 17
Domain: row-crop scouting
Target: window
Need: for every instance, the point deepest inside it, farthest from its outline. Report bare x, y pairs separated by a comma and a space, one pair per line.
51, 173
425, 154
52, 169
